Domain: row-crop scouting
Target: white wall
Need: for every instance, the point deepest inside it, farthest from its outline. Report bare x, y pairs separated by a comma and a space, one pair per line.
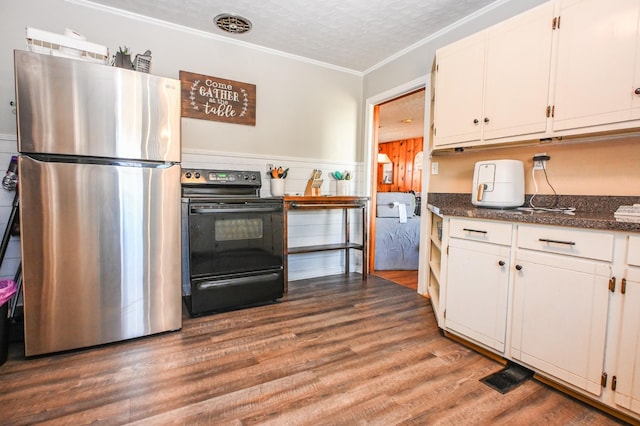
308, 115
303, 109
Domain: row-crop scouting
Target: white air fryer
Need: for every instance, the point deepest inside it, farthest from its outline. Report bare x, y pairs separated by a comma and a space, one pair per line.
498, 184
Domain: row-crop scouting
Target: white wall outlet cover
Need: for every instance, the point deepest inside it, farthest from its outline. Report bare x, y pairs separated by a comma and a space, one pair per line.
434, 168
539, 165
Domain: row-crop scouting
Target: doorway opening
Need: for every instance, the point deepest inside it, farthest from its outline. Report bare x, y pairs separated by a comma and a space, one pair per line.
396, 186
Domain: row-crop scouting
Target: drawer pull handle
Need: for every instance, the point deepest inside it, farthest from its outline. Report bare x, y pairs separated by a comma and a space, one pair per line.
501, 263
519, 267
546, 240
623, 286
474, 230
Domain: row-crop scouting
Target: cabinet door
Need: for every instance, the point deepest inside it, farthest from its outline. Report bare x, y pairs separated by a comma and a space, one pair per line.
477, 281
628, 366
459, 91
517, 74
560, 316
596, 55
635, 105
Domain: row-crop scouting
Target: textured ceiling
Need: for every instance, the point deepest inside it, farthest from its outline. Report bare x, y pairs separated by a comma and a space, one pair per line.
392, 114
352, 34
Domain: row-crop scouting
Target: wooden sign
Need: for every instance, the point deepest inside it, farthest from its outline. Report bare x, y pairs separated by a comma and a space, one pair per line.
217, 99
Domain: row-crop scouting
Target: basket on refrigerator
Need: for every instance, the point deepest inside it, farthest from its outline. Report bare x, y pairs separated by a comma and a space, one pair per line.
142, 62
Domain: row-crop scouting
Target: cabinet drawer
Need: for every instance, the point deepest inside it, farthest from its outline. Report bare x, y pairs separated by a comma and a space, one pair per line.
481, 230
569, 241
633, 256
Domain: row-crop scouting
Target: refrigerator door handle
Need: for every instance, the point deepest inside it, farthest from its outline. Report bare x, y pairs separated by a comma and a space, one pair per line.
52, 158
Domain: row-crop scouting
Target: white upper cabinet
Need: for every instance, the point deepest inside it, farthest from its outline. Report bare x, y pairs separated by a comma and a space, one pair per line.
564, 68
598, 66
495, 84
517, 75
459, 91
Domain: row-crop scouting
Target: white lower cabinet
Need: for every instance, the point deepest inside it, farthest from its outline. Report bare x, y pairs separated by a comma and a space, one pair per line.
478, 280
561, 302
476, 308
560, 307
564, 302
627, 375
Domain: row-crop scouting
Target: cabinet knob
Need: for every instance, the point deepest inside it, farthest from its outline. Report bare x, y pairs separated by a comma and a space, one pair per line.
637, 91
519, 267
476, 121
501, 263
486, 119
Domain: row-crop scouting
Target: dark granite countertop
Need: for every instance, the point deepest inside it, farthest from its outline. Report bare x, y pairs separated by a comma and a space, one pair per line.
594, 212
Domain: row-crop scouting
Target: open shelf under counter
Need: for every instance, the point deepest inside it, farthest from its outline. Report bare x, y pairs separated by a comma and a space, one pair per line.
344, 203
435, 260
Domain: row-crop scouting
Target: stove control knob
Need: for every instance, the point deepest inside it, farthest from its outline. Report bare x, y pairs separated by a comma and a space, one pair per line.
187, 175
253, 177
197, 175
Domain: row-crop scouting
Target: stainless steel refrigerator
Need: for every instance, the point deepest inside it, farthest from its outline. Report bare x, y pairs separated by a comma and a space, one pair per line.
99, 194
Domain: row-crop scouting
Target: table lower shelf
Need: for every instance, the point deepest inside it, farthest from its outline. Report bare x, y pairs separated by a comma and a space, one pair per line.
324, 247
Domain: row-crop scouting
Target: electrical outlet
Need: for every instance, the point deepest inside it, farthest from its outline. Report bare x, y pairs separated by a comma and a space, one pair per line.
434, 168
269, 167
539, 164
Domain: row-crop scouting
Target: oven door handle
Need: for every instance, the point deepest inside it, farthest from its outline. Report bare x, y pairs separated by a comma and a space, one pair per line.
244, 209
209, 285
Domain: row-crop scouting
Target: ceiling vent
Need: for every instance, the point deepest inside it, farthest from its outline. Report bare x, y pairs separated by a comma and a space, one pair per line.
232, 24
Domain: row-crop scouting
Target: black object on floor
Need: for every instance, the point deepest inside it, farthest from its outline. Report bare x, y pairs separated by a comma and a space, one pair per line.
508, 378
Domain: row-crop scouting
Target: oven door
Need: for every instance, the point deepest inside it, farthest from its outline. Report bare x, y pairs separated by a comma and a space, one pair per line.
236, 251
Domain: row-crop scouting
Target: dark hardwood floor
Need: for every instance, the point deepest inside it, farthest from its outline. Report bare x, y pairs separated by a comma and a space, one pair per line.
335, 351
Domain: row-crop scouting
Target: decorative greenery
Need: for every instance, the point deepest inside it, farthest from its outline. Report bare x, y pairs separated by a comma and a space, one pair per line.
337, 175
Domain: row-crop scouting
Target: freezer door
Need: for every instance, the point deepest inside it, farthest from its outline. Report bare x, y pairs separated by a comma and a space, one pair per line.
78, 108
100, 252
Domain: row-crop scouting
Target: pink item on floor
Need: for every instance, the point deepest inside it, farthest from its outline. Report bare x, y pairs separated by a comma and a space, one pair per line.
7, 290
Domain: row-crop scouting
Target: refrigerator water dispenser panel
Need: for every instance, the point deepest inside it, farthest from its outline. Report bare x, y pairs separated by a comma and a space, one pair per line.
498, 184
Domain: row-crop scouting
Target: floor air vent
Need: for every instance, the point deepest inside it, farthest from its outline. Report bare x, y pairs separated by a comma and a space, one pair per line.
508, 378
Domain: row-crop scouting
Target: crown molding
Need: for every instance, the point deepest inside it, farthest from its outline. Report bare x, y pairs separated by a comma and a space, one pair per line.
438, 34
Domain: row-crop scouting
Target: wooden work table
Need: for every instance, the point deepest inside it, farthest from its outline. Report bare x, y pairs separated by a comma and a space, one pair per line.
303, 203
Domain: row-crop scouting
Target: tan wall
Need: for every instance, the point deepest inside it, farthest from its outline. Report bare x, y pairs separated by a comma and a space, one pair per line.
606, 167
